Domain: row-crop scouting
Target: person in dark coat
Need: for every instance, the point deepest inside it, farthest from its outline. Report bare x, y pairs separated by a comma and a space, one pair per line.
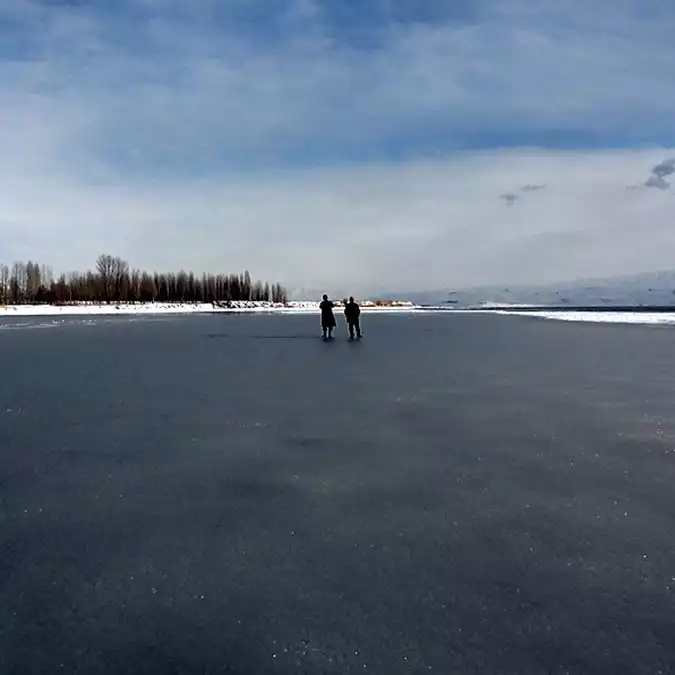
352, 314
327, 318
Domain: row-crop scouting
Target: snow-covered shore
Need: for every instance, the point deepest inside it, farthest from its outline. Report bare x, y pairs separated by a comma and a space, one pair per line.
299, 307
646, 318
96, 309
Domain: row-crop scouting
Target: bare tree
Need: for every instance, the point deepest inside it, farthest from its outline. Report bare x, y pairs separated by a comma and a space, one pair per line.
135, 286
60, 290
120, 271
246, 286
33, 281
75, 287
148, 288
105, 266
278, 294
4, 284
113, 281
17, 283
47, 274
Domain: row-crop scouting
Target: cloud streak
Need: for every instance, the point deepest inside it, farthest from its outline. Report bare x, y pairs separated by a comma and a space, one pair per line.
510, 198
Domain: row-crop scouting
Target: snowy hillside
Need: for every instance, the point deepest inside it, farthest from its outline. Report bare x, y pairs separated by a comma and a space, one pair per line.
638, 290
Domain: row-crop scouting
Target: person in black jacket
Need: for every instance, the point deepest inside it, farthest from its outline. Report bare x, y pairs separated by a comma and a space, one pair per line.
352, 314
327, 318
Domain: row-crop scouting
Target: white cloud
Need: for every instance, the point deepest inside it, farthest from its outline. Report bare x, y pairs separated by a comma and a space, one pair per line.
415, 225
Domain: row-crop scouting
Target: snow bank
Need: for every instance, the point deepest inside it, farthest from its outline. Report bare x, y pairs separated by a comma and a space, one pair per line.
92, 309
647, 318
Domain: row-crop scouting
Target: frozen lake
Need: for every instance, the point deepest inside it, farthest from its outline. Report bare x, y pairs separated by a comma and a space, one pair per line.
229, 494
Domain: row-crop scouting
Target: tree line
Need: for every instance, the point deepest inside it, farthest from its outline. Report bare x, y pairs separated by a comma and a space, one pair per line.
113, 280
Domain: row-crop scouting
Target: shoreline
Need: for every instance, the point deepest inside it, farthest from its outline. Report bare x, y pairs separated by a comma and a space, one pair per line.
601, 309
164, 308
638, 315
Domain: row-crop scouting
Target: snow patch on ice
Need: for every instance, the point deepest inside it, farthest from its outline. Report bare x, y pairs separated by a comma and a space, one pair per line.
646, 318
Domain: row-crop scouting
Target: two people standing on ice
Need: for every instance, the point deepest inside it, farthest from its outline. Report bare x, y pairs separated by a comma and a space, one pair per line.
352, 314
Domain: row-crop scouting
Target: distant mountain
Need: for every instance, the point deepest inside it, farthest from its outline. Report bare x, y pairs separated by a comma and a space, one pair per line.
654, 288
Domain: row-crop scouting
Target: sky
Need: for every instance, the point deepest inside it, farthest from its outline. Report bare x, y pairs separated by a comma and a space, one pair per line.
341, 145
